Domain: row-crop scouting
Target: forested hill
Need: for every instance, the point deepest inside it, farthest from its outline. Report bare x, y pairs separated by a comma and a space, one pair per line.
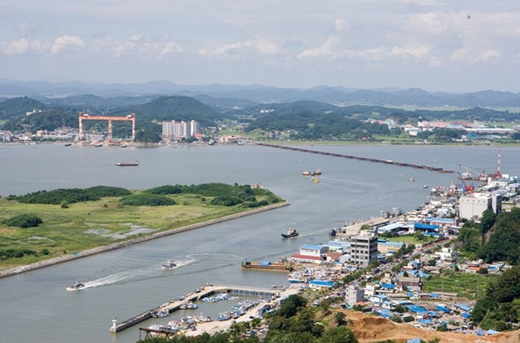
173, 108
18, 107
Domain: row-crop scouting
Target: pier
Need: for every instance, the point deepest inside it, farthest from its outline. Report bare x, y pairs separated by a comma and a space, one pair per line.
202, 292
361, 158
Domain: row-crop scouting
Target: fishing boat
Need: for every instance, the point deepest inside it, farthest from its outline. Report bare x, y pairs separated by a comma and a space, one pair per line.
127, 164
169, 265
76, 286
290, 234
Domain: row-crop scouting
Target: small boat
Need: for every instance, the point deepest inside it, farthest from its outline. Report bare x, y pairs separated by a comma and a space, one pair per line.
333, 232
76, 286
290, 234
159, 313
127, 164
306, 173
99, 145
123, 145
169, 265
425, 186
315, 180
68, 144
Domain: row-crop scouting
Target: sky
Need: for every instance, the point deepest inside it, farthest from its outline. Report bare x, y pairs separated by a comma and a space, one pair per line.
451, 45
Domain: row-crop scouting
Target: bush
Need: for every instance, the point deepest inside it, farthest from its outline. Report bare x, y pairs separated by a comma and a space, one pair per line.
147, 200
23, 221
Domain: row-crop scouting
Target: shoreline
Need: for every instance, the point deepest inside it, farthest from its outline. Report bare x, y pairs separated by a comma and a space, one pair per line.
98, 250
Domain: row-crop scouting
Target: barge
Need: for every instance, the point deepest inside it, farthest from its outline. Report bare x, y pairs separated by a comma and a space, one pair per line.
266, 265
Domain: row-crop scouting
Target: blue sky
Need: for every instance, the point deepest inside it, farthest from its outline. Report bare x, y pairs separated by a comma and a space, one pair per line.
454, 46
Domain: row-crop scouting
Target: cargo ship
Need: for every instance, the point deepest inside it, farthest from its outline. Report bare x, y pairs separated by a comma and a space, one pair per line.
266, 265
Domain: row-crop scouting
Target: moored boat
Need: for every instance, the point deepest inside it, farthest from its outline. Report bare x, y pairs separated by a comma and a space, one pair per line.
76, 286
127, 164
290, 234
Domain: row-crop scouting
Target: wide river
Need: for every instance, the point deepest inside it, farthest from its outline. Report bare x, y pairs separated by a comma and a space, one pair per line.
35, 307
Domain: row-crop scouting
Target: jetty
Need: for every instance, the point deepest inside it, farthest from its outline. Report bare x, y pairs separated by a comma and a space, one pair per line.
202, 292
360, 158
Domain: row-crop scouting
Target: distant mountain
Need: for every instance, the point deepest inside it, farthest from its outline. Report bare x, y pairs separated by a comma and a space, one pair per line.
18, 107
233, 96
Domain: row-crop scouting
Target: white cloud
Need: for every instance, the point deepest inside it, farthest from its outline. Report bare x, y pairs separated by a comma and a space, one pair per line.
432, 23
341, 25
264, 46
488, 54
171, 47
419, 51
66, 41
325, 50
23, 46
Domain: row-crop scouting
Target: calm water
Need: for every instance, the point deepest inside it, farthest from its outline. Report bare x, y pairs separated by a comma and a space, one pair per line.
35, 306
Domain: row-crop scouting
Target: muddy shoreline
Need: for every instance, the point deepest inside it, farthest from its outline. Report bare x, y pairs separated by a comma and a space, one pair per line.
118, 245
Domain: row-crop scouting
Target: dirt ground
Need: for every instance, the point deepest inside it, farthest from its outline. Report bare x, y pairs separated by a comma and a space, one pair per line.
368, 328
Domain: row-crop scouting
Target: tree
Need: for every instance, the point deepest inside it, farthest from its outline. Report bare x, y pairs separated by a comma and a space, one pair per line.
487, 221
339, 318
338, 335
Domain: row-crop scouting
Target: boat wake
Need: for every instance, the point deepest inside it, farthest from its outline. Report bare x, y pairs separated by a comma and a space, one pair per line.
134, 275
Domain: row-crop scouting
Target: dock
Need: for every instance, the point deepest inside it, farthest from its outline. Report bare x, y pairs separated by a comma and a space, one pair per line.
360, 158
200, 293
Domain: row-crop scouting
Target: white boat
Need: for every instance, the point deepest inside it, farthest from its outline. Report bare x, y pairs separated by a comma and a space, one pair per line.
76, 286
169, 265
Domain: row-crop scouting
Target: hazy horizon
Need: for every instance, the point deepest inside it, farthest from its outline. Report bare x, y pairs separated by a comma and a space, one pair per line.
456, 46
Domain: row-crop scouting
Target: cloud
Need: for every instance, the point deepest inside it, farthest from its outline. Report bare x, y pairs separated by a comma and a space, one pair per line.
419, 51
488, 54
261, 46
325, 50
66, 41
264, 46
341, 25
431, 23
23, 46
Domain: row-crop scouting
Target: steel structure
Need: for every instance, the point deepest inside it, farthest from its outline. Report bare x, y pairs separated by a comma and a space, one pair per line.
86, 116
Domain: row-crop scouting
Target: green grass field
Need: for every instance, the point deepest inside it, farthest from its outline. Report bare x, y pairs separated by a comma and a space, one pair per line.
93, 224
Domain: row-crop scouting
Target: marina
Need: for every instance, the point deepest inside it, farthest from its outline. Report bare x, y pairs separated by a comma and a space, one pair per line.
199, 294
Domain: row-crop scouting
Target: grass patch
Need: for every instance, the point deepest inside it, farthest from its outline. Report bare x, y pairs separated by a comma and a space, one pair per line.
92, 224
465, 285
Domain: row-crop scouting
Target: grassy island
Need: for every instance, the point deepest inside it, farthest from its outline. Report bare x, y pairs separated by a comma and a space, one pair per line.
65, 222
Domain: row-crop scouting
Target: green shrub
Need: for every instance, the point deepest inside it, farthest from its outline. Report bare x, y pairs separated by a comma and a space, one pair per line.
147, 200
23, 221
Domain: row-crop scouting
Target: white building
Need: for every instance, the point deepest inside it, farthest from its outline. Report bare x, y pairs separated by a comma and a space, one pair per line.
180, 129
447, 255
354, 294
472, 206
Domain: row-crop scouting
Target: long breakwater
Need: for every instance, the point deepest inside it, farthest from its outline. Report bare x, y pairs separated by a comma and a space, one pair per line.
361, 158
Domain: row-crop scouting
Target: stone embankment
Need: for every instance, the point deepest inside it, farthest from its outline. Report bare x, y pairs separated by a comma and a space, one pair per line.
113, 246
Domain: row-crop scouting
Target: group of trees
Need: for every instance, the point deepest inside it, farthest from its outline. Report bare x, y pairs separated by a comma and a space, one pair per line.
500, 308
495, 238
71, 195
23, 221
221, 194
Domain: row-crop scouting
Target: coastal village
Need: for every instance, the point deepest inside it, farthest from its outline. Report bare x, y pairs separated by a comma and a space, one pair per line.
388, 272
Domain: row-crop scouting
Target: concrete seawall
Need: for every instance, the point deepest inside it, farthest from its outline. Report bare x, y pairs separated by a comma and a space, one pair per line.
113, 246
